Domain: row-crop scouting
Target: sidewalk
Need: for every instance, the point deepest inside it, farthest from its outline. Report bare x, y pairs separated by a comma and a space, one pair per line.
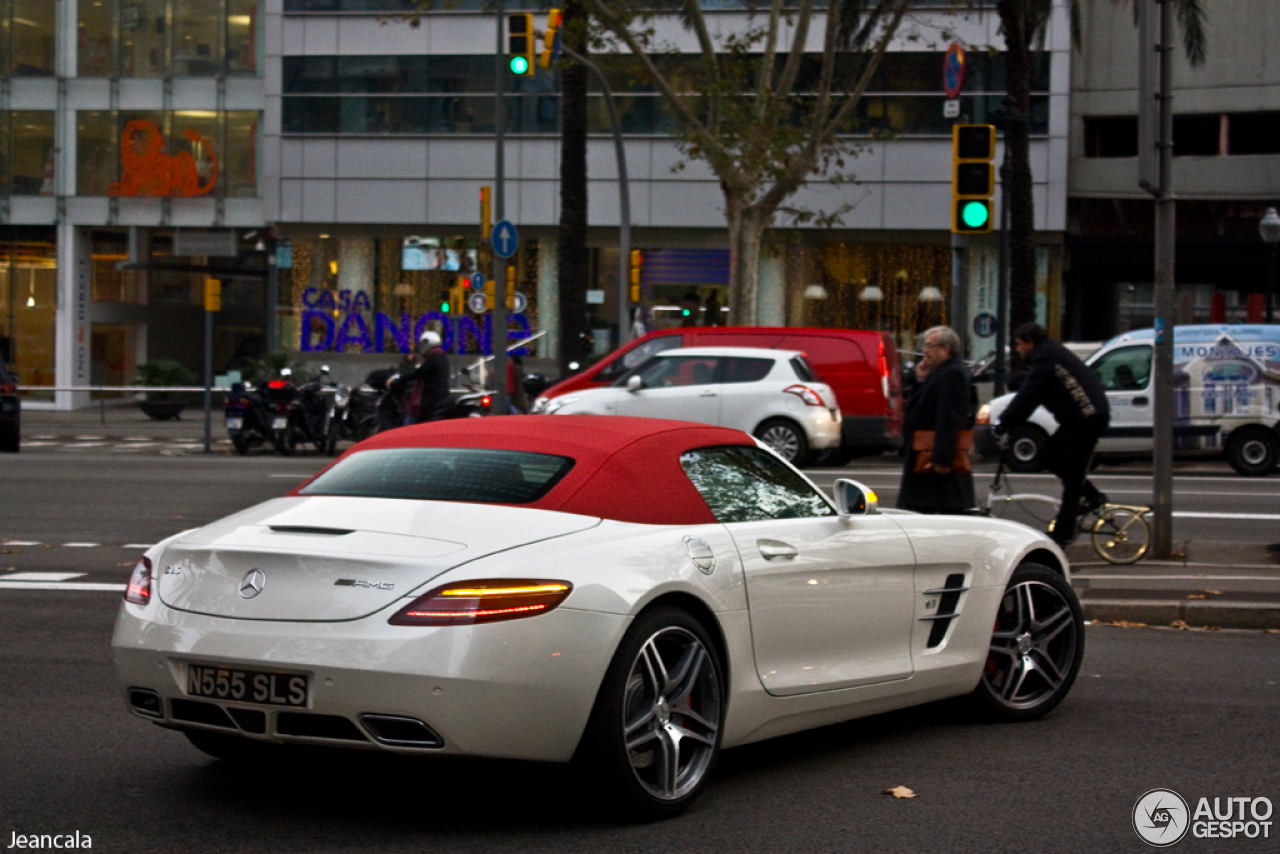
1218, 584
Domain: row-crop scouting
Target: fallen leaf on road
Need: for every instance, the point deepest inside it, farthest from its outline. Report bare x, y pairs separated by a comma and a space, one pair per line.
126, 563
1196, 596
1214, 592
1213, 628
1180, 624
1269, 631
1123, 624
175, 517
10, 551
899, 792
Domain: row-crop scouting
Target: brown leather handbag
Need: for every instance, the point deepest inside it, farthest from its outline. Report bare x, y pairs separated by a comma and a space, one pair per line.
922, 444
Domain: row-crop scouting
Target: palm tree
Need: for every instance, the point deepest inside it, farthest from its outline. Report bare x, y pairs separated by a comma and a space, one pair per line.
1023, 23
574, 265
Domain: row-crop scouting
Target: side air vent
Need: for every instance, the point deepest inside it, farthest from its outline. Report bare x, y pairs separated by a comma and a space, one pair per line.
309, 529
950, 592
196, 712
318, 726
397, 731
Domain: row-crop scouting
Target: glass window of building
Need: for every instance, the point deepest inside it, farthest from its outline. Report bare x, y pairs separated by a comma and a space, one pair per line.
242, 36
196, 47
26, 152
28, 301
142, 38
239, 156
96, 154
26, 37
93, 49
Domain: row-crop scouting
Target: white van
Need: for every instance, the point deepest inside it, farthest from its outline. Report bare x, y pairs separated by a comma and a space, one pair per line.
1226, 392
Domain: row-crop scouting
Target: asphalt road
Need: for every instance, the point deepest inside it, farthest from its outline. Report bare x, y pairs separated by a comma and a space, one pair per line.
1198, 712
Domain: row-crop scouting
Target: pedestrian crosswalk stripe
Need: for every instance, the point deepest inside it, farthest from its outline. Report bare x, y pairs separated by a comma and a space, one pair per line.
80, 545
61, 585
40, 576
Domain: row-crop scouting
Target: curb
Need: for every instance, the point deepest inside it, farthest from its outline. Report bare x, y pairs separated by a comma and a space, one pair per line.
1155, 612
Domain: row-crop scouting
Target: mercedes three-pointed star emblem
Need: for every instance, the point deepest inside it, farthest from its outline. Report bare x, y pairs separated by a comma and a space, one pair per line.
252, 583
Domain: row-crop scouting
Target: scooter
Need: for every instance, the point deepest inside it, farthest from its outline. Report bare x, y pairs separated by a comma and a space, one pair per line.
248, 418
301, 412
355, 410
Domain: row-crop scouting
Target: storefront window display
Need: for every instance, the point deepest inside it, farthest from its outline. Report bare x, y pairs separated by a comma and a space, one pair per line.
26, 152
896, 288
167, 154
26, 37
28, 301
353, 294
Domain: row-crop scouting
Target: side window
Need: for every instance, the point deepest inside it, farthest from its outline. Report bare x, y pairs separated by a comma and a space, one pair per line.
1126, 369
639, 355
804, 371
746, 484
673, 371
746, 370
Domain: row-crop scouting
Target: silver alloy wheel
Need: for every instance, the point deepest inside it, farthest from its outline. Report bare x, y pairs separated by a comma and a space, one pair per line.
671, 713
782, 439
1033, 646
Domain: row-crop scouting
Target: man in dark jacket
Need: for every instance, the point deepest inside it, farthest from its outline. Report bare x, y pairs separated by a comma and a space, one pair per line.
428, 386
941, 405
1064, 385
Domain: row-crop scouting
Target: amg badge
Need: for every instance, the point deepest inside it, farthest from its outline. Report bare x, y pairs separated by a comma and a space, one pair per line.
360, 582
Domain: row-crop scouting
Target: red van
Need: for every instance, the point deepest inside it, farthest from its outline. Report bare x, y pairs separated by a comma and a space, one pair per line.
860, 366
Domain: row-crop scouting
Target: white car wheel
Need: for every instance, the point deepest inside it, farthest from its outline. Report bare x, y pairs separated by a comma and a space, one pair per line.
786, 438
655, 731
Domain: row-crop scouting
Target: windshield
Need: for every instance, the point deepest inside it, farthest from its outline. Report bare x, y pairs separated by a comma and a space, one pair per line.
444, 474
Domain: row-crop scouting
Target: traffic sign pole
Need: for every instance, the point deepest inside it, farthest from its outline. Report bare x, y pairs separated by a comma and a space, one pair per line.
498, 336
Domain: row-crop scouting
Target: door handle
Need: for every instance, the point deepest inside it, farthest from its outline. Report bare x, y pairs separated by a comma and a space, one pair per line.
1140, 401
770, 549
707, 394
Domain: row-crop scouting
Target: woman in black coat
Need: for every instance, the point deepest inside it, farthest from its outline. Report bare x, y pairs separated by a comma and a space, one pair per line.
940, 404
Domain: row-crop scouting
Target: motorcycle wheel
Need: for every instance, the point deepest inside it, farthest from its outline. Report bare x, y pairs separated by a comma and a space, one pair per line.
241, 443
285, 442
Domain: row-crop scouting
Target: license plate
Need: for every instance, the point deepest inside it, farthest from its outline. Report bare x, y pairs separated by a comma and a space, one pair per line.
246, 686
235, 423
280, 424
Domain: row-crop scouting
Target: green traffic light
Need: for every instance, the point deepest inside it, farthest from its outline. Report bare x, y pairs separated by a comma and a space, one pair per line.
975, 214
519, 65
444, 308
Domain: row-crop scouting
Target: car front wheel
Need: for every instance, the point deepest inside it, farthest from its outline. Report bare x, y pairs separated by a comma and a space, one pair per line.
1036, 647
654, 733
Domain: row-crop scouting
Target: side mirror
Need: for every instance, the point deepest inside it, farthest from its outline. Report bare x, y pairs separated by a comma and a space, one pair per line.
635, 384
855, 499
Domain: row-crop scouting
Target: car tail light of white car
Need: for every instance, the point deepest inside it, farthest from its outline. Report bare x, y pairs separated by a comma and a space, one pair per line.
808, 395
466, 603
139, 590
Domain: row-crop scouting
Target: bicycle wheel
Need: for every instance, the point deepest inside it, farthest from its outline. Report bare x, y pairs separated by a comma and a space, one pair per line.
1122, 534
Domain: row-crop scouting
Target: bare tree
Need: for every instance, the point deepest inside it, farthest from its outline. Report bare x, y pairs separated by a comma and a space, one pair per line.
741, 109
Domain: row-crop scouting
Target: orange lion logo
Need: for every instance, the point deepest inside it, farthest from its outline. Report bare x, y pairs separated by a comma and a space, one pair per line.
148, 171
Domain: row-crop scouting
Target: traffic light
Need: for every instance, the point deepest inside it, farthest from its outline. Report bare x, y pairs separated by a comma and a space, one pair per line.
637, 261
486, 216
520, 44
453, 297
973, 178
550, 40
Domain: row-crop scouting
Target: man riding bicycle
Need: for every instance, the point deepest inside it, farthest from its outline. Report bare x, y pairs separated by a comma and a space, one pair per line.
1065, 386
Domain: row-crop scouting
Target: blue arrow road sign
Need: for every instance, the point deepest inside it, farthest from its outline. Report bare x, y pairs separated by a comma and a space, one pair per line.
477, 281
505, 239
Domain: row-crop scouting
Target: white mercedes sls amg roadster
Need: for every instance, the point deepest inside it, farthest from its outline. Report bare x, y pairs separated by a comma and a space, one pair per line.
631, 593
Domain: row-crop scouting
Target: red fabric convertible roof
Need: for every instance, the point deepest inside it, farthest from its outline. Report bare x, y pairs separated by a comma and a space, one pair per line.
627, 469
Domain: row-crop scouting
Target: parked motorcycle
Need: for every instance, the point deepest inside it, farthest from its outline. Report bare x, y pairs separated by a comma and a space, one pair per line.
301, 412
355, 410
461, 404
248, 417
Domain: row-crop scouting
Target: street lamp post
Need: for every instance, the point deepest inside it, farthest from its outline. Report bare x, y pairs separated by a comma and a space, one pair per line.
1269, 229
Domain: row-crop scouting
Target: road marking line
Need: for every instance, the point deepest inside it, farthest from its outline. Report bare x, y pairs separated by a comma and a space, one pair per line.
1204, 577
137, 545
84, 444
20, 543
1194, 514
61, 585
41, 576
80, 545
294, 476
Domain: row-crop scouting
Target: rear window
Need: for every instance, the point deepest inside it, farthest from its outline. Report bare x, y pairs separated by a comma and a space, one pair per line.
738, 370
444, 474
804, 371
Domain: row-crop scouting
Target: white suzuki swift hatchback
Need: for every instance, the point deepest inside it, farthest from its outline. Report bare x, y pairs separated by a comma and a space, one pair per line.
775, 395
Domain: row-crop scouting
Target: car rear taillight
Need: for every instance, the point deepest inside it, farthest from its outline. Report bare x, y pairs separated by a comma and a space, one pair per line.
485, 401
466, 603
808, 395
277, 384
884, 371
8, 388
139, 590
